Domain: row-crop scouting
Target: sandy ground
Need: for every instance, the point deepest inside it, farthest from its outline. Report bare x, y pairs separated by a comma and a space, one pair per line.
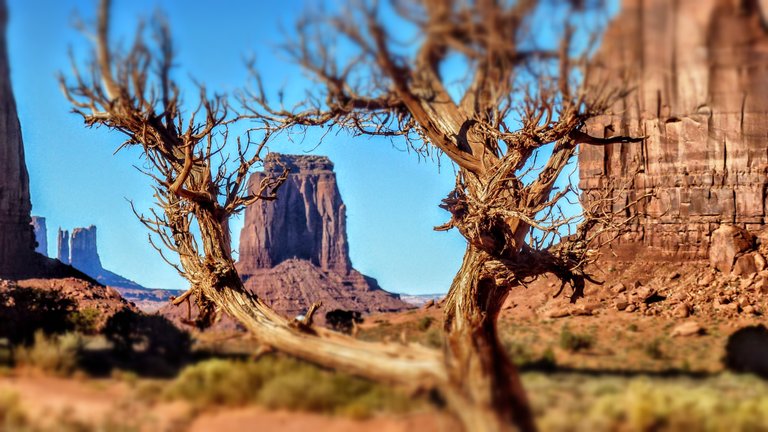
47, 400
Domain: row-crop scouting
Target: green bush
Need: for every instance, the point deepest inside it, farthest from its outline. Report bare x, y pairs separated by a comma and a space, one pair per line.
425, 323
282, 383
653, 349
575, 342
58, 354
86, 320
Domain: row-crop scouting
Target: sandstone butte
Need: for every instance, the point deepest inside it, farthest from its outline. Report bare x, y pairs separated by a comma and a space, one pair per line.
294, 250
698, 75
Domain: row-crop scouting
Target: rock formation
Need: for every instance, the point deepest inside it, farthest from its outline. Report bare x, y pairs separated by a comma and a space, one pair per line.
294, 250
308, 222
699, 74
81, 251
41, 235
17, 241
62, 248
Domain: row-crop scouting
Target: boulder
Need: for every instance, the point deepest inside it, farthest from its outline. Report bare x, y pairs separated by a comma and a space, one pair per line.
727, 242
688, 328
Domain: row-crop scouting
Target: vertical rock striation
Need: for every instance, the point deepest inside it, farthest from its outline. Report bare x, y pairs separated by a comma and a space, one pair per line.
41, 235
307, 222
17, 241
699, 74
294, 250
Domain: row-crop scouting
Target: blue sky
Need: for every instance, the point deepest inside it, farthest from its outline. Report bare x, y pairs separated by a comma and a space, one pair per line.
391, 196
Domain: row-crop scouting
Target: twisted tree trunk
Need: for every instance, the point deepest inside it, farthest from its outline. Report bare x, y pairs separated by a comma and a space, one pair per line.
484, 386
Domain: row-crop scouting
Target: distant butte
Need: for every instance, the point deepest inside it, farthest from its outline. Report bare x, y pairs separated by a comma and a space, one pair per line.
294, 250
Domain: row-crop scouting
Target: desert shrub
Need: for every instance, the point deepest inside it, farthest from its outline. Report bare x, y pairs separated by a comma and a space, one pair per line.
129, 331
518, 352
86, 320
25, 311
522, 356
58, 354
343, 320
575, 342
220, 382
653, 349
12, 416
574, 402
434, 338
278, 382
425, 323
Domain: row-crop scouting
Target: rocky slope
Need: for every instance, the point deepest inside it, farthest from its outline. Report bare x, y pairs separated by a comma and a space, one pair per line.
294, 250
85, 294
698, 70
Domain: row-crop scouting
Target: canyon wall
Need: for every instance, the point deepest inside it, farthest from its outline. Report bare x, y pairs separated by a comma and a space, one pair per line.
697, 71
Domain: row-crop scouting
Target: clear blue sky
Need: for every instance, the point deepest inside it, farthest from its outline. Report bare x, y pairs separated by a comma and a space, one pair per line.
391, 196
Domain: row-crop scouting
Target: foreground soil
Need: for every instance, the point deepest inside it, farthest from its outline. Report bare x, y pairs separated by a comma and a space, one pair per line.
58, 404
646, 350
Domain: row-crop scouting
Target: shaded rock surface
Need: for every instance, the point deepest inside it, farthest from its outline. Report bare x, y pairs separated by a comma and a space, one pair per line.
17, 241
83, 252
294, 250
699, 74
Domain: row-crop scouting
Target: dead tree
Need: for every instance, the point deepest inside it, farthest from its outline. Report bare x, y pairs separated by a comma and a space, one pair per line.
511, 131
199, 186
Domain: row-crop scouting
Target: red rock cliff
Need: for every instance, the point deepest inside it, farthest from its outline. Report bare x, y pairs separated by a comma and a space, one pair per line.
699, 74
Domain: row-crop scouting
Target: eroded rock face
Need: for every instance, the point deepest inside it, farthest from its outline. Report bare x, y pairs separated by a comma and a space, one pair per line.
699, 70
41, 234
308, 221
17, 241
294, 250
